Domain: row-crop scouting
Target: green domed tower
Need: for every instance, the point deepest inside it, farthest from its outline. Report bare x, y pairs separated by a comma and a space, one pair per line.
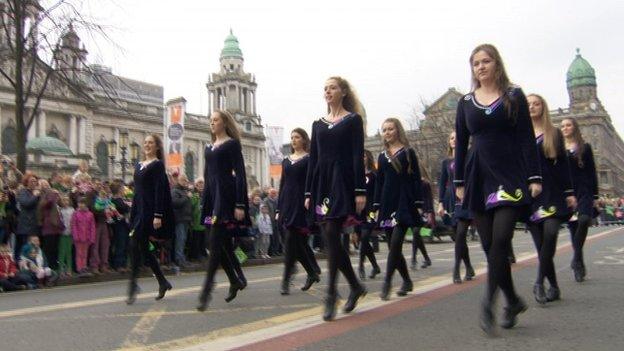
581, 83
233, 89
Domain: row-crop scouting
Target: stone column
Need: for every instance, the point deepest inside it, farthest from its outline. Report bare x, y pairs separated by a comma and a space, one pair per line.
73, 134
254, 103
32, 131
82, 135
1, 126
41, 124
209, 102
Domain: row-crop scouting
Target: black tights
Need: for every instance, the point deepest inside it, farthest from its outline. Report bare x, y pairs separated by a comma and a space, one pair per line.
366, 250
496, 229
396, 261
221, 253
461, 247
295, 251
545, 239
578, 234
337, 259
139, 248
418, 244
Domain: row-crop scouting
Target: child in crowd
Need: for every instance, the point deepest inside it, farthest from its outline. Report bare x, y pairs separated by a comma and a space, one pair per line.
65, 241
83, 233
33, 261
104, 203
10, 278
265, 230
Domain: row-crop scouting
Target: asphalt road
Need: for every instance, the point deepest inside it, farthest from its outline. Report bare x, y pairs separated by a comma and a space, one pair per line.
437, 316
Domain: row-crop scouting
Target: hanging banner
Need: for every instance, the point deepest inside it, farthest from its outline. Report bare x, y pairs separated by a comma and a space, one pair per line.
174, 133
275, 137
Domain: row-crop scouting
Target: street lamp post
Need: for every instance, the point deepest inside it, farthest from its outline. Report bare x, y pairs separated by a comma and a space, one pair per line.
123, 147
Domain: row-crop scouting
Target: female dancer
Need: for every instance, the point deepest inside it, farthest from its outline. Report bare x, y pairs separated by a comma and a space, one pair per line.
225, 202
552, 206
495, 175
398, 194
365, 229
290, 211
461, 218
585, 182
427, 211
151, 214
335, 182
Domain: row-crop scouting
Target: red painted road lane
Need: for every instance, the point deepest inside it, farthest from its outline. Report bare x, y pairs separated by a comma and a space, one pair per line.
346, 324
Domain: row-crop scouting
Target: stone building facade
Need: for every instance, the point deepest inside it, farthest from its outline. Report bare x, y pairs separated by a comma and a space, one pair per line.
81, 112
430, 139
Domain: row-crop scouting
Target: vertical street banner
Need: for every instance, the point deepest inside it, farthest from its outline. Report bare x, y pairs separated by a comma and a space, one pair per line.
174, 133
275, 137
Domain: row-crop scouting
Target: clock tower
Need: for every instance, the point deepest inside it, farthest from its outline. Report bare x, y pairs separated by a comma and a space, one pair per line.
581, 82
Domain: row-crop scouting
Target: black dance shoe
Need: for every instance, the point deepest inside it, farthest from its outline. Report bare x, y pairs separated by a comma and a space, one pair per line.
376, 270
578, 274
204, 300
426, 264
311, 280
385, 291
406, 287
553, 294
456, 277
354, 296
470, 273
539, 293
234, 288
162, 290
330, 308
362, 273
486, 318
133, 291
285, 289
510, 315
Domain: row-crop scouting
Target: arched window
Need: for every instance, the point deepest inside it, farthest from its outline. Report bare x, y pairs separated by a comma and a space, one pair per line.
189, 166
101, 156
9, 140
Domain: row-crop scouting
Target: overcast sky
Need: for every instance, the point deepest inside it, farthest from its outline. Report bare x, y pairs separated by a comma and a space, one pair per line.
395, 53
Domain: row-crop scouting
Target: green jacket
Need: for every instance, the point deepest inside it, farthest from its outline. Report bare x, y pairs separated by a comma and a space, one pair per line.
196, 224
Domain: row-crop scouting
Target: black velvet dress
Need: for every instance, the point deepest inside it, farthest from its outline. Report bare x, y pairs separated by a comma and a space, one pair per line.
556, 185
225, 185
503, 158
584, 180
152, 198
336, 168
292, 212
398, 193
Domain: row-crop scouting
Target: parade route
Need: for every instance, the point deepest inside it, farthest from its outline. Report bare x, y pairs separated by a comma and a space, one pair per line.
437, 315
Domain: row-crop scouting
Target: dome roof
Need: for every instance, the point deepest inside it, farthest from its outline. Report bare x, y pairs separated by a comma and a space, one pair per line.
231, 48
580, 73
48, 145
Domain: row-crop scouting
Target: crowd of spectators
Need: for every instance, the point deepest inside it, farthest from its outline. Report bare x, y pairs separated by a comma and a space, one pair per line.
75, 225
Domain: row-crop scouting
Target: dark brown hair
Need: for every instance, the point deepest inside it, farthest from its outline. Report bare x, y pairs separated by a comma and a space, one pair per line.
159, 147
578, 139
306, 139
369, 160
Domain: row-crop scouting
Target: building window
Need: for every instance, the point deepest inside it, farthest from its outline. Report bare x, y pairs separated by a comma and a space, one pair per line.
189, 166
101, 157
604, 177
9, 140
231, 67
248, 126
